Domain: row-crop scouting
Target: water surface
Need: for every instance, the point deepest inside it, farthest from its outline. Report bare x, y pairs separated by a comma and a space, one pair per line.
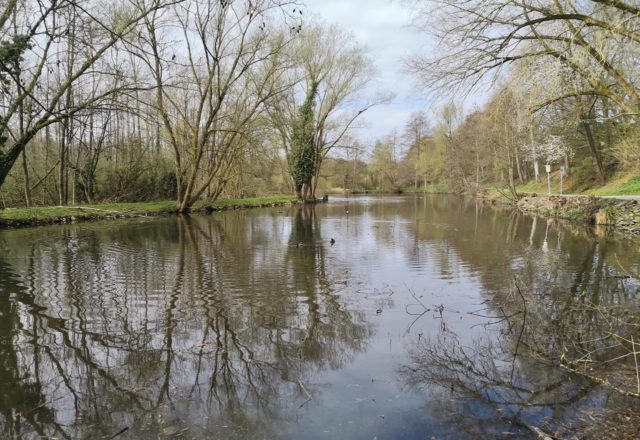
251, 324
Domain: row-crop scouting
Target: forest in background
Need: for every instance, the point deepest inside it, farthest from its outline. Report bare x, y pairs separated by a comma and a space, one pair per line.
564, 84
139, 100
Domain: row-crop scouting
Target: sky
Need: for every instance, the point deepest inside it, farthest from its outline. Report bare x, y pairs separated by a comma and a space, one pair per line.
381, 26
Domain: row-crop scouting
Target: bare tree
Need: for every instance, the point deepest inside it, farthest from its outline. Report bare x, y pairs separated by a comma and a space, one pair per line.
57, 45
212, 64
415, 135
596, 42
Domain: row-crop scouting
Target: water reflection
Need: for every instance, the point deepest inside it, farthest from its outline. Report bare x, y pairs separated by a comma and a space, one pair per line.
560, 297
251, 324
490, 394
118, 329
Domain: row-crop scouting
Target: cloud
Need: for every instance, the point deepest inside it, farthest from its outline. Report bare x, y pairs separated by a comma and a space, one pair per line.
382, 27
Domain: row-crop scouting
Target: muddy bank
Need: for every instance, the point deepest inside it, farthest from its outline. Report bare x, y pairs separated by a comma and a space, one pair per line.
621, 215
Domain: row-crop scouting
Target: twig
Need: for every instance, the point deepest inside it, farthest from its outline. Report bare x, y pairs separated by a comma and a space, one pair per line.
600, 380
415, 320
502, 318
122, 431
45, 176
635, 359
415, 297
524, 323
486, 324
537, 431
419, 315
626, 272
309, 397
506, 196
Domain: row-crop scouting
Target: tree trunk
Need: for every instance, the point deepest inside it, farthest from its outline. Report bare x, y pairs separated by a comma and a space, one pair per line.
417, 166
512, 185
593, 149
18, 81
25, 170
63, 164
536, 167
9, 159
67, 130
477, 170
522, 173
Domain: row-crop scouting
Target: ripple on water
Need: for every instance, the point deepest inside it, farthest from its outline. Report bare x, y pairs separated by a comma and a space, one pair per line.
227, 316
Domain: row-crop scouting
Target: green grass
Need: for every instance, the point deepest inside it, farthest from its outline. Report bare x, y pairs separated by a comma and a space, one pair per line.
244, 203
60, 214
624, 186
532, 187
541, 187
88, 211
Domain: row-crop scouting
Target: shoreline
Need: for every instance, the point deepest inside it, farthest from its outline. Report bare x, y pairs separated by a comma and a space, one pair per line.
41, 216
620, 215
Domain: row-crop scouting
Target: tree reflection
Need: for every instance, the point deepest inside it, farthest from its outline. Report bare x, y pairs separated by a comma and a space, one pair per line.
576, 283
582, 305
490, 394
219, 326
205, 325
20, 391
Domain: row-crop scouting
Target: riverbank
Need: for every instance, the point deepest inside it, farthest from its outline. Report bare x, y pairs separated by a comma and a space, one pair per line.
20, 217
620, 214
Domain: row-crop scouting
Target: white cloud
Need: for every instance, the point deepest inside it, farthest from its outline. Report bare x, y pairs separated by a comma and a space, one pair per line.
380, 26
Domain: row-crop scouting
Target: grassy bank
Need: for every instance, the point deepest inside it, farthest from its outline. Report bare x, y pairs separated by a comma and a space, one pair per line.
14, 217
619, 184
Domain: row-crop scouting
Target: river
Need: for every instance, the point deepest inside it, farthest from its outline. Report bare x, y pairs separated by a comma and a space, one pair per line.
427, 317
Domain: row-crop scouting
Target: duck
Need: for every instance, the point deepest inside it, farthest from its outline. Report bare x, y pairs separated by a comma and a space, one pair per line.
332, 241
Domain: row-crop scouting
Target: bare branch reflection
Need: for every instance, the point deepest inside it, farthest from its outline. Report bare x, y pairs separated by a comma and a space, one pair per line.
111, 329
478, 390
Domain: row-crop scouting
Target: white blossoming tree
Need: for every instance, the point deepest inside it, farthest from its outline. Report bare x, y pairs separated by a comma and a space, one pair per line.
551, 151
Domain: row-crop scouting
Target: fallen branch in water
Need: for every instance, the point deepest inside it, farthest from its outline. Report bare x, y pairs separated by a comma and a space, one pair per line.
541, 435
309, 397
122, 431
625, 271
600, 380
635, 359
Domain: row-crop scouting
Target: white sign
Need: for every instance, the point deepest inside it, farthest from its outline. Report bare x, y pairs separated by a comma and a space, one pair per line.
561, 170
548, 168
